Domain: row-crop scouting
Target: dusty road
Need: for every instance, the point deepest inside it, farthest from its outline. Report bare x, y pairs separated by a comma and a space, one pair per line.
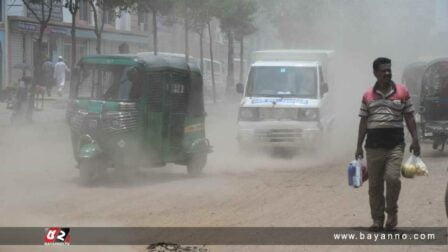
39, 186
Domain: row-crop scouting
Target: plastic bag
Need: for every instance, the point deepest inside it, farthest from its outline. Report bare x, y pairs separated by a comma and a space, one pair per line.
414, 166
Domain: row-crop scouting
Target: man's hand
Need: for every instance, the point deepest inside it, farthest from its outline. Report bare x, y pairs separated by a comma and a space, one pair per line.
415, 148
359, 153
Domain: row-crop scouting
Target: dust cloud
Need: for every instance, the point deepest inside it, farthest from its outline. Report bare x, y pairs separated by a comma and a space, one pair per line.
406, 31
37, 161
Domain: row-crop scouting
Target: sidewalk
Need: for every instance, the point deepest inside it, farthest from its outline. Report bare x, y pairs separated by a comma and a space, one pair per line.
54, 109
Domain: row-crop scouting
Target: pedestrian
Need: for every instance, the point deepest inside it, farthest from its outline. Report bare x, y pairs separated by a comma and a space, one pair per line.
383, 108
21, 99
47, 72
59, 74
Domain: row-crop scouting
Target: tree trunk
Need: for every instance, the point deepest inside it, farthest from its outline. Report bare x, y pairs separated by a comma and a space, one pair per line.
73, 63
211, 64
73, 33
98, 43
37, 78
230, 70
187, 51
154, 30
242, 59
201, 50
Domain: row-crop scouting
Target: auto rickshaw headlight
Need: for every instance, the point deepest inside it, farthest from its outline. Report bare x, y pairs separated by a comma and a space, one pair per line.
86, 139
92, 124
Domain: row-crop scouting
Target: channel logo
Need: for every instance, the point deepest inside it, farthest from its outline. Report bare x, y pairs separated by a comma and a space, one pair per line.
57, 236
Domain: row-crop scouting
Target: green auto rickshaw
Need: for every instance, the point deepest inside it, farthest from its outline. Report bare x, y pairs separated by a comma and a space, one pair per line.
129, 111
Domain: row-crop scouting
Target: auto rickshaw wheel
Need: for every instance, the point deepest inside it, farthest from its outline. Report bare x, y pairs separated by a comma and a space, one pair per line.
88, 168
196, 164
446, 200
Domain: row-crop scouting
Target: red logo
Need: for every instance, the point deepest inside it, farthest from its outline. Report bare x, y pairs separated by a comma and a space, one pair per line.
57, 236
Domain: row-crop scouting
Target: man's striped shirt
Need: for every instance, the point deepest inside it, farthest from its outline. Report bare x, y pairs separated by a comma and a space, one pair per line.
385, 114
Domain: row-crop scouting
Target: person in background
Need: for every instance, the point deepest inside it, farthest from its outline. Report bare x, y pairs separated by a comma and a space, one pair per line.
383, 108
47, 72
60, 68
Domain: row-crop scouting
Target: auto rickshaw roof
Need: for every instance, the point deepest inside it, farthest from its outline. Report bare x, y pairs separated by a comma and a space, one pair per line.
166, 61
441, 61
148, 60
122, 59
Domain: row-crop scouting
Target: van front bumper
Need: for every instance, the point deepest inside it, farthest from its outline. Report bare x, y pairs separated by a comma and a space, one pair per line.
288, 134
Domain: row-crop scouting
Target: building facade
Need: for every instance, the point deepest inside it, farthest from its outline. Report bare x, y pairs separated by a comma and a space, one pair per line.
19, 30
19, 33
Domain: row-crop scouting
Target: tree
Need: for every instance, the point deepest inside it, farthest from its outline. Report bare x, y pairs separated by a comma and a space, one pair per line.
42, 11
200, 15
233, 14
201, 12
156, 7
73, 7
244, 29
99, 9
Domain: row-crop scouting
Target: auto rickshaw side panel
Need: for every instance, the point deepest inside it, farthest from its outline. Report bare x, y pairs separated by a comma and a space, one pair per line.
434, 99
153, 124
195, 141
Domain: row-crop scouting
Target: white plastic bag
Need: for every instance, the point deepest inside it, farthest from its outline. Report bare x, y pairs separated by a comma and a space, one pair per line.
414, 166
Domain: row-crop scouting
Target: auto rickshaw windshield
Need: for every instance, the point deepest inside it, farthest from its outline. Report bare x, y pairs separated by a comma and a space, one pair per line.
109, 82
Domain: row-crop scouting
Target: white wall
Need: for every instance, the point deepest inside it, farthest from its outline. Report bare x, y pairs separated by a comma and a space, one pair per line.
66, 15
15, 8
123, 22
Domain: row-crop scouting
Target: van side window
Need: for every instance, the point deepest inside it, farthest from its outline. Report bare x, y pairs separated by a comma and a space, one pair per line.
322, 82
321, 75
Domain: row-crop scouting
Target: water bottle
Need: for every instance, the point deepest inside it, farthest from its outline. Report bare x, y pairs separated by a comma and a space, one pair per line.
357, 178
351, 173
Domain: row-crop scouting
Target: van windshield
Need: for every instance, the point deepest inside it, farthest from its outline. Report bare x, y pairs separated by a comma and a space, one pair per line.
282, 81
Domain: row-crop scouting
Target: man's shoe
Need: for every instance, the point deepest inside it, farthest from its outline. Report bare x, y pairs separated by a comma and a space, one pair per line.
391, 223
376, 226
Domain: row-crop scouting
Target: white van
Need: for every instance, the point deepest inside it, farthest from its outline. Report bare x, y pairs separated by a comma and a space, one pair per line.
286, 100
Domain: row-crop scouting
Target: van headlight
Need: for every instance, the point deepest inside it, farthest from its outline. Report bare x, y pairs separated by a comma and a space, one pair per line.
308, 115
248, 114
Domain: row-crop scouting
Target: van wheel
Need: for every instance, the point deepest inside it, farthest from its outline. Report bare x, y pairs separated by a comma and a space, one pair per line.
87, 171
196, 164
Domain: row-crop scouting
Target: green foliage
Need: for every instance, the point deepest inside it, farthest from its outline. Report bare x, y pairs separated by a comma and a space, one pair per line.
235, 14
158, 6
199, 12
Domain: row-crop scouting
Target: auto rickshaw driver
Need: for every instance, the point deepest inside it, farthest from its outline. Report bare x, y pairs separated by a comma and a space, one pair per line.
125, 85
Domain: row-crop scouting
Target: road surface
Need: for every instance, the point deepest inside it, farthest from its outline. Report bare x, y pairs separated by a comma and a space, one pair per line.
39, 186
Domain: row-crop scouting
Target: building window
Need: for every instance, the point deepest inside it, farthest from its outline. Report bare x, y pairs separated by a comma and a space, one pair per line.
142, 17
110, 17
83, 10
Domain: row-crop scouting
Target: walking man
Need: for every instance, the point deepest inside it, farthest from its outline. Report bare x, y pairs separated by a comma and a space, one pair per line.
47, 70
59, 74
383, 108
